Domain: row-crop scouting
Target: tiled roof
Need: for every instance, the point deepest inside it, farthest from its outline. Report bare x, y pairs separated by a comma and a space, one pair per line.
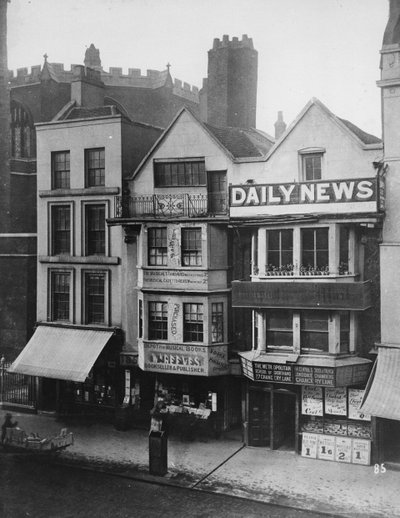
366, 138
242, 143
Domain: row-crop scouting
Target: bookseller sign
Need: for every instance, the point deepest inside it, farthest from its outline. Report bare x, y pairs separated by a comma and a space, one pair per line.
358, 195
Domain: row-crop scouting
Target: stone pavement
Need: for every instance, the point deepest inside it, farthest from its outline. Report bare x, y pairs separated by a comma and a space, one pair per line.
225, 466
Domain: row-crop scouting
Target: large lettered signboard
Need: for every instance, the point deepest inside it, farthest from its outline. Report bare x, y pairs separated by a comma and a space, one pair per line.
335, 196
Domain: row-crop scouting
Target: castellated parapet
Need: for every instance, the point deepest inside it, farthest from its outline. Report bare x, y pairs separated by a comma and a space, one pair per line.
245, 42
113, 77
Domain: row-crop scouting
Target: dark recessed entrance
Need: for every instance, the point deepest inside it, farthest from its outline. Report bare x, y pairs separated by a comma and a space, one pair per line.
273, 417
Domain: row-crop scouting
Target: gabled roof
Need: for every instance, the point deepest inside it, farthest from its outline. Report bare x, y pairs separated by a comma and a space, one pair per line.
234, 142
361, 137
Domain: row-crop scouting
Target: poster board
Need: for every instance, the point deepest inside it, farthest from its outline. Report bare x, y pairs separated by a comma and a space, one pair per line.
336, 401
312, 402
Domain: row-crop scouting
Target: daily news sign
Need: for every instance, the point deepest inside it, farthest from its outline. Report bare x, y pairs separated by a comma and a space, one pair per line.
359, 195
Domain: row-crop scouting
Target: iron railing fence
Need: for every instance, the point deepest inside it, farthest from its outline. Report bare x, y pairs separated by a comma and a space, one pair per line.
16, 389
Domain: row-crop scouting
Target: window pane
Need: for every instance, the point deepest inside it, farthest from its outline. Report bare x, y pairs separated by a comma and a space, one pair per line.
191, 247
61, 170
193, 323
61, 229
95, 229
279, 328
60, 284
217, 322
344, 331
179, 174
312, 167
157, 246
95, 298
314, 330
95, 171
158, 321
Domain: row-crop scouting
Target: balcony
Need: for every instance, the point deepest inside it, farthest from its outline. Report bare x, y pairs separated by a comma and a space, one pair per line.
178, 205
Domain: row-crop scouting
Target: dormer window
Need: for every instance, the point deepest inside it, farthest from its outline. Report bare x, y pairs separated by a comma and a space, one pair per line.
311, 164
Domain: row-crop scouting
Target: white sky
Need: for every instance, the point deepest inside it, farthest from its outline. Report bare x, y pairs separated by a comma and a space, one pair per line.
306, 48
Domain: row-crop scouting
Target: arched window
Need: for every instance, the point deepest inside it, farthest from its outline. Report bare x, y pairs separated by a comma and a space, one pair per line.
23, 141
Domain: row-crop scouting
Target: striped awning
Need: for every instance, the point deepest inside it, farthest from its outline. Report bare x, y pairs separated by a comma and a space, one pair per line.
382, 394
61, 353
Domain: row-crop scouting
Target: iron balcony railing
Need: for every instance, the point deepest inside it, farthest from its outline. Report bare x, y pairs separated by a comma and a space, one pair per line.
170, 205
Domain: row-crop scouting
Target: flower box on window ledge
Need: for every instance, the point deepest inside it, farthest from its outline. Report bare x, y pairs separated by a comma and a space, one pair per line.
286, 270
312, 271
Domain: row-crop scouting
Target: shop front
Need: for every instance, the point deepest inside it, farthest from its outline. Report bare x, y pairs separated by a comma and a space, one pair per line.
76, 368
309, 406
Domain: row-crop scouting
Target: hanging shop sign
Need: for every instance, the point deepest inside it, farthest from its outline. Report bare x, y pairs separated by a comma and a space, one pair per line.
340, 376
175, 279
336, 196
194, 360
310, 295
128, 359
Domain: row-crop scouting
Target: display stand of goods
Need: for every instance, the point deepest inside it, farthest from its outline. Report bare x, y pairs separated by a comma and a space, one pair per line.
17, 440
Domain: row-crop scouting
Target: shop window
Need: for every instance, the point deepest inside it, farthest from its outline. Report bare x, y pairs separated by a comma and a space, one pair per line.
140, 318
254, 253
193, 323
179, 173
158, 321
217, 322
315, 250
344, 331
95, 297
61, 229
157, 246
191, 247
312, 166
95, 167
279, 251
314, 333
95, 229
60, 169
60, 296
279, 328
344, 251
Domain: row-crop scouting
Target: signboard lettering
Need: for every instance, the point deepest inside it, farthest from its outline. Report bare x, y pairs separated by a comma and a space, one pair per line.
309, 445
361, 452
344, 191
326, 447
355, 399
336, 401
312, 401
343, 449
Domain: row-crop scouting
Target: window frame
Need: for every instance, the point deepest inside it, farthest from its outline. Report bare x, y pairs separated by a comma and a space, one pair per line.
87, 233
316, 250
160, 252
157, 328
177, 173
191, 253
217, 322
315, 331
280, 250
287, 330
105, 274
193, 327
92, 179
54, 248
52, 297
60, 178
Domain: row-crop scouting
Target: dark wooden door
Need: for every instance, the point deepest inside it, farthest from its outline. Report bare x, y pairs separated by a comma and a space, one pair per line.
216, 187
283, 419
259, 418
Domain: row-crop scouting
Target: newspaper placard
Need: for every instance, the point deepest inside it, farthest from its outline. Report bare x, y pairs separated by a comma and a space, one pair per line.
343, 449
336, 401
312, 401
309, 445
355, 399
361, 452
326, 447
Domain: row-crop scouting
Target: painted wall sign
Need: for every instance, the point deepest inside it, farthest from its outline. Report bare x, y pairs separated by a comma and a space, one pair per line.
175, 278
312, 401
355, 399
336, 401
324, 295
195, 360
350, 195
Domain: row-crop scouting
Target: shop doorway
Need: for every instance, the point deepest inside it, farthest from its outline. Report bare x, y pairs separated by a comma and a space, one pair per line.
390, 440
48, 395
259, 418
284, 421
272, 418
